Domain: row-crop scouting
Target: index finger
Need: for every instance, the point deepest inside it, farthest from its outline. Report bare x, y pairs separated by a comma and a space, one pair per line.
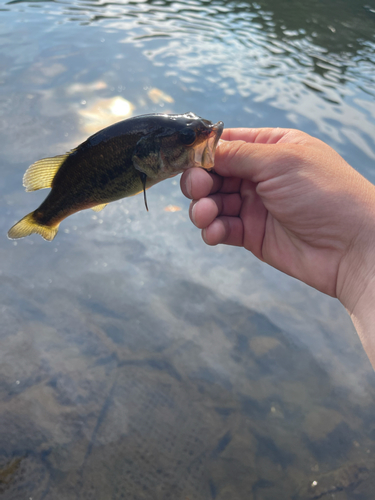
197, 183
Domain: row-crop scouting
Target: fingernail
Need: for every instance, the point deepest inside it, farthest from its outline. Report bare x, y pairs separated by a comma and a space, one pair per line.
192, 210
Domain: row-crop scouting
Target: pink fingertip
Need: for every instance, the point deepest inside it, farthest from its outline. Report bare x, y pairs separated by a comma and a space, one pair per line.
214, 233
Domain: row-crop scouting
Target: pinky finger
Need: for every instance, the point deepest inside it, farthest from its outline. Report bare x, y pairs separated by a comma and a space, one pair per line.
225, 230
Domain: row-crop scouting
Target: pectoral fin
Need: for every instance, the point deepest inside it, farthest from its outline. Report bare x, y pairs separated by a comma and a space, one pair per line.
146, 156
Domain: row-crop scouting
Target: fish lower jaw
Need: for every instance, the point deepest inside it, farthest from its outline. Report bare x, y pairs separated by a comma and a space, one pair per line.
204, 157
204, 153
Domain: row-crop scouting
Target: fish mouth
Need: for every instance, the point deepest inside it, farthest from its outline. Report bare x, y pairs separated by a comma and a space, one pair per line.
205, 152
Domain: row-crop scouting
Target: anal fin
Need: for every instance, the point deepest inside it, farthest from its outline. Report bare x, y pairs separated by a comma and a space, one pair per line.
97, 208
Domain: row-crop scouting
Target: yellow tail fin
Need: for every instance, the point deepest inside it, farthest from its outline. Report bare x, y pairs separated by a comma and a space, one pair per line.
28, 225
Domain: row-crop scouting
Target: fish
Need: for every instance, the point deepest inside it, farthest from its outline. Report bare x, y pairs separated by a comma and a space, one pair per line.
121, 160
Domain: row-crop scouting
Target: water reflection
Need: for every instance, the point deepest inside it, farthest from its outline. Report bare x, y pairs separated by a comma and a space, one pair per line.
134, 362
260, 51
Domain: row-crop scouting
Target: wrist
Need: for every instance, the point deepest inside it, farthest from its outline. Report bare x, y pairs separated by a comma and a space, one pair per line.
356, 271
363, 318
356, 278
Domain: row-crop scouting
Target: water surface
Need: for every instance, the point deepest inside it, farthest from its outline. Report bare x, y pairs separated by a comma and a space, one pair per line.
135, 362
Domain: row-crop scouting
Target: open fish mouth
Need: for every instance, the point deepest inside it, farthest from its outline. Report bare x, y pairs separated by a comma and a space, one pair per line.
205, 152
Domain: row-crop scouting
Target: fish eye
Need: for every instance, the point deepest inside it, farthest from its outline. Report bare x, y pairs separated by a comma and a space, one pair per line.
187, 136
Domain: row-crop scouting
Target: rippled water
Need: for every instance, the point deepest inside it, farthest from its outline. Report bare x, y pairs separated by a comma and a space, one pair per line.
135, 362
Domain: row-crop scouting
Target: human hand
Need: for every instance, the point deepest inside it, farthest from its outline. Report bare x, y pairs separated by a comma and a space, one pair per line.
294, 203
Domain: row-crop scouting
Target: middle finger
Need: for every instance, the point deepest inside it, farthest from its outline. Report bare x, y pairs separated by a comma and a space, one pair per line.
202, 212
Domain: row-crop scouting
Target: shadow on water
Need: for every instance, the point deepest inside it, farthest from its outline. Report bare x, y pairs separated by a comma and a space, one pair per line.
342, 26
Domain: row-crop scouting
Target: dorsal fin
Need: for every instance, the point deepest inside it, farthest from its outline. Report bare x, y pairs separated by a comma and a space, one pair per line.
41, 173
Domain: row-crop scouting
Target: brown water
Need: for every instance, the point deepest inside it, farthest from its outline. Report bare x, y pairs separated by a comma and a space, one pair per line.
135, 362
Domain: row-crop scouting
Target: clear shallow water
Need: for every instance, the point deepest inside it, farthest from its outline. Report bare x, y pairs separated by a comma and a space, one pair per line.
135, 362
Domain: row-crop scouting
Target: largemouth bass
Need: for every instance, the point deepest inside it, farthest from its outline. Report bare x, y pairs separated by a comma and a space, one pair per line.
119, 161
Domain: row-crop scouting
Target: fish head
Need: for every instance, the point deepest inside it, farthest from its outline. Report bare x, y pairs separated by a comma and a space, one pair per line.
176, 143
207, 135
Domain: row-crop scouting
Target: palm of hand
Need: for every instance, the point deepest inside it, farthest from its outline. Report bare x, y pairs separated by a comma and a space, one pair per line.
283, 231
